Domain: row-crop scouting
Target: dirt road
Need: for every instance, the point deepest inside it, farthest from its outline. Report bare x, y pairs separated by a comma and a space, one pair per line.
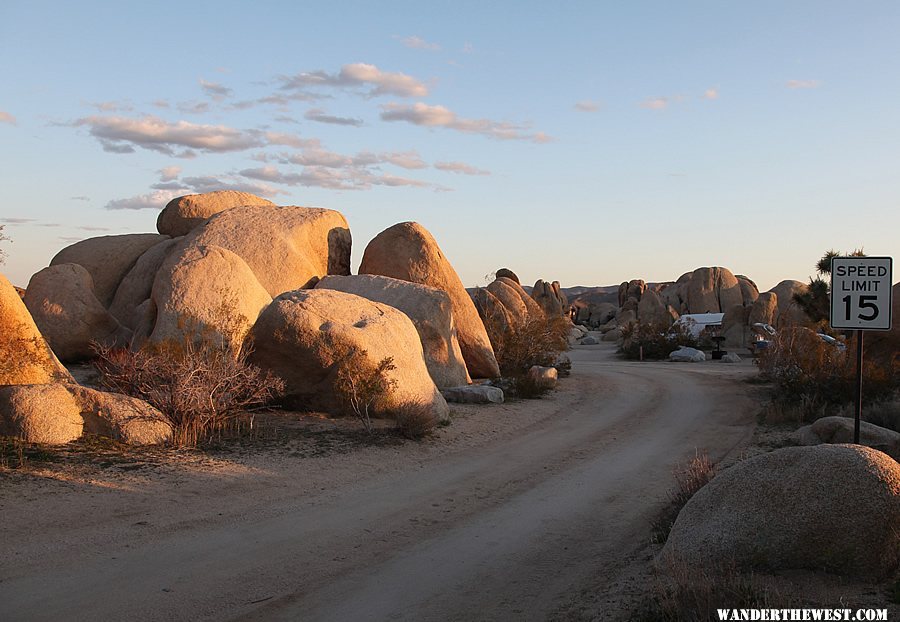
530, 511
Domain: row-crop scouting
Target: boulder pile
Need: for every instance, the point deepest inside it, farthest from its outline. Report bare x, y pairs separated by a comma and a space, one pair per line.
273, 281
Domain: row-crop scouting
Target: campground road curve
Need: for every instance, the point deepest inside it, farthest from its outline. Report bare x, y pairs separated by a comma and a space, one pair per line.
510, 529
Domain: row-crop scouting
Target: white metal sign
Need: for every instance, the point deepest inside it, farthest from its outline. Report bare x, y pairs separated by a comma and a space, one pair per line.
861, 293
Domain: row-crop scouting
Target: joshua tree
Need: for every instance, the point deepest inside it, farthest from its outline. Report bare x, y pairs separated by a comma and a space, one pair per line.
815, 301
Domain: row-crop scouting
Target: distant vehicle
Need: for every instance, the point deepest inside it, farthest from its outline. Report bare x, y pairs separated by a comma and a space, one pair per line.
762, 336
696, 323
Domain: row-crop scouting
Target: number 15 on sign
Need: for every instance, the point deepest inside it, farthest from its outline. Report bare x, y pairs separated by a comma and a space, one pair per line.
861, 293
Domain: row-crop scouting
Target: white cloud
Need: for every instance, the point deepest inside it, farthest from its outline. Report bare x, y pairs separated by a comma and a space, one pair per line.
113, 106
320, 116
6, 117
404, 159
153, 200
193, 107
169, 173
655, 103
711, 94
439, 116
358, 75
215, 90
460, 167
803, 84
332, 178
418, 43
291, 140
587, 105
122, 135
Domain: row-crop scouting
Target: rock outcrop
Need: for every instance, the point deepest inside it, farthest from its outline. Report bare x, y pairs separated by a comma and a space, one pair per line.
285, 247
764, 309
550, 298
61, 300
430, 312
25, 357
712, 290
507, 274
407, 251
183, 214
305, 336
831, 507
108, 259
136, 286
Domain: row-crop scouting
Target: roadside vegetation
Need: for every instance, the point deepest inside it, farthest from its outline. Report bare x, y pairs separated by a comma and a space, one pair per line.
201, 388
689, 478
654, 341
538, 341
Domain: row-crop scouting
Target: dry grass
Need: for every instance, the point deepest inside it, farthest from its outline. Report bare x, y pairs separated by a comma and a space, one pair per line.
687, 594
414, 420
689, 478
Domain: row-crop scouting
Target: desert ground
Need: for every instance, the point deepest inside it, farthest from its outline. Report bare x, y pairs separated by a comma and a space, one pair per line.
533, 509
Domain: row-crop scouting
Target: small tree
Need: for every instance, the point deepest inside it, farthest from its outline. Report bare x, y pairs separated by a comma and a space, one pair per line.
360, 385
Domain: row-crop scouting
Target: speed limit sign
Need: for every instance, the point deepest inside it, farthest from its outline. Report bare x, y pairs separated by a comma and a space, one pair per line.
861, 293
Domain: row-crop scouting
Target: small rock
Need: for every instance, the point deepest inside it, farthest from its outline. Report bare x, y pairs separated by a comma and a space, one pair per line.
589, 341
474, 394
731, 357
687, 355
544, 377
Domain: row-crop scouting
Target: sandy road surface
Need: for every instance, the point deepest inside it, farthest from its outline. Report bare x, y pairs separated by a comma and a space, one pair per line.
531, 511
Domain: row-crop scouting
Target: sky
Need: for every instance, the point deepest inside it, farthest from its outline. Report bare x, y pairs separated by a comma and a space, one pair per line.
585, 142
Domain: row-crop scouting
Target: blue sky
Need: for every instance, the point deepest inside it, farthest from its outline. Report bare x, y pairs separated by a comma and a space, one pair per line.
589, 142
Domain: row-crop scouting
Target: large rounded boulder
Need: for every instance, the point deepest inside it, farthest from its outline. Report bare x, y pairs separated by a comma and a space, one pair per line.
306, 336
407, 251
120, 417
25, 357
764, 309
206, 292
61, 300
285, 247
550, 298
108, 259
183, 214
430, 312
828, 507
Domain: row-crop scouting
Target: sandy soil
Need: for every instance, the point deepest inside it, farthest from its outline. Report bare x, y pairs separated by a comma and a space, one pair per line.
530, 510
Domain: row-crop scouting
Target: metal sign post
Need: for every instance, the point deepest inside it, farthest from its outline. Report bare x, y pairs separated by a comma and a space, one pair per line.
861, 300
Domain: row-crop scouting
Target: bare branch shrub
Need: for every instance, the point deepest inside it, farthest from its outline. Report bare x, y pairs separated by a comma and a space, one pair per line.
199, 386
689, 478
360, 384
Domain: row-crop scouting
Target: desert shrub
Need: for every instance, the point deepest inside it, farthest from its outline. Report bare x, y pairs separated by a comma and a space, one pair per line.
813, 378
537, 341
200, 386
414, 420
361, 384
684, 593
657, 340
884, 413
689, 478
